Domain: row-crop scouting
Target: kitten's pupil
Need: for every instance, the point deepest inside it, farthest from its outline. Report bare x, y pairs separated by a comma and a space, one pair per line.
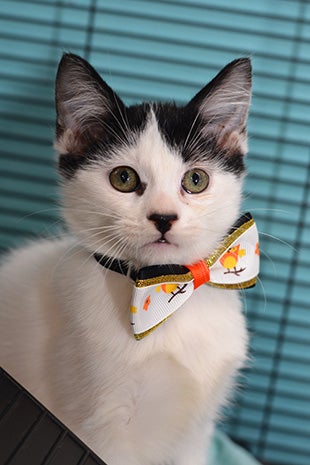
195, 178
124, 175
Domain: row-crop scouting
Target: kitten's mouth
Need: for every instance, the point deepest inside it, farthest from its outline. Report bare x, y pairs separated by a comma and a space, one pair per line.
162, 240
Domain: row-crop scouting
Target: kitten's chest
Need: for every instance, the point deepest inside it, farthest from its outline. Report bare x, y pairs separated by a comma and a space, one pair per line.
207, 331
208, 327
199, 348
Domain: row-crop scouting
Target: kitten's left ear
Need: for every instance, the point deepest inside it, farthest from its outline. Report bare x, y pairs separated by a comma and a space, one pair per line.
223, 106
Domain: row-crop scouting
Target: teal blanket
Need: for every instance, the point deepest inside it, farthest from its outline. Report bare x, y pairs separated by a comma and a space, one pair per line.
224, 452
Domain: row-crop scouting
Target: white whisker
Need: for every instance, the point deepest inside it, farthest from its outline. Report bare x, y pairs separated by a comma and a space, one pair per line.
264, 293
190, 132
96, 212
281, 241
269, 259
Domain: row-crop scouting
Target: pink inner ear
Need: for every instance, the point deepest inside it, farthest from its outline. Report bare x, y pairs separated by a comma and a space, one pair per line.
233, 142
77, 140
73, 142
67, 142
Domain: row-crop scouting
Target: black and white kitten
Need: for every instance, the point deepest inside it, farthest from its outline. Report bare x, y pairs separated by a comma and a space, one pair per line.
147, 184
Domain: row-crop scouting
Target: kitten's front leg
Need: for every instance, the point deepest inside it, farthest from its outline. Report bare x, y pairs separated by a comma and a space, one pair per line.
148, 416
194, 449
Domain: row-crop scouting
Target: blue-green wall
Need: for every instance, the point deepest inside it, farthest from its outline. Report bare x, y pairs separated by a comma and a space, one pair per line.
170, 49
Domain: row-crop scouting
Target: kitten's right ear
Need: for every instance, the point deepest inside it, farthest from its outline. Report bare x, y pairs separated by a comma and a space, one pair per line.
83, 103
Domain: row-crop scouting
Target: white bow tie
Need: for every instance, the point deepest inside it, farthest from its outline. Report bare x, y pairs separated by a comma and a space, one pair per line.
160, 290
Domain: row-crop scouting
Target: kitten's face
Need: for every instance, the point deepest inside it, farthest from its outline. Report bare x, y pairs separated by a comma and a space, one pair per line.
151, 184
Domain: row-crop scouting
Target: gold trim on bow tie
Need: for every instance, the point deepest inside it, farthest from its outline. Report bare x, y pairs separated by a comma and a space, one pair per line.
232, 237
164, 279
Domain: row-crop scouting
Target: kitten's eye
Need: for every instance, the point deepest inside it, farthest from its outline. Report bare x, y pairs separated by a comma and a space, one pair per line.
195, 181
124, 179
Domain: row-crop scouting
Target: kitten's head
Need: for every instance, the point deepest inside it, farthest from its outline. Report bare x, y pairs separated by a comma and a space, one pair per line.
151, 183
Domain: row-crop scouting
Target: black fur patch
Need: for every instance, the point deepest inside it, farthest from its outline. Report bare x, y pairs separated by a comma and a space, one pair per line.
112, 133
182, 129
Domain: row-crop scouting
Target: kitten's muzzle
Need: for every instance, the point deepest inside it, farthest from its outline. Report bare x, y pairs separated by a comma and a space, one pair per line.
162, 223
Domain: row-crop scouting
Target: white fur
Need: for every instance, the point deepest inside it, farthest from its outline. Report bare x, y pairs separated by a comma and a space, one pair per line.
64, 321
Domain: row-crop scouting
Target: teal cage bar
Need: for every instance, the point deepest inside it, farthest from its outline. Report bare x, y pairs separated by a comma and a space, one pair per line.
158, 50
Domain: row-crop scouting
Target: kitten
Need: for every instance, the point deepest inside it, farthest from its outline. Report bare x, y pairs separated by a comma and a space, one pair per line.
146, 184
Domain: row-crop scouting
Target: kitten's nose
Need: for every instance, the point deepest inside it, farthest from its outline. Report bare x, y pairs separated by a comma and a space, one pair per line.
162, 222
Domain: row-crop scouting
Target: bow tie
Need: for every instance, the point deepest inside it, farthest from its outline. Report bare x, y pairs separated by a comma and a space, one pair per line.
160, 290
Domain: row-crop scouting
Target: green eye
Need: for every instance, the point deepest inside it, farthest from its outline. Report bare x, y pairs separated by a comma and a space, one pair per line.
124, 179
195, 181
